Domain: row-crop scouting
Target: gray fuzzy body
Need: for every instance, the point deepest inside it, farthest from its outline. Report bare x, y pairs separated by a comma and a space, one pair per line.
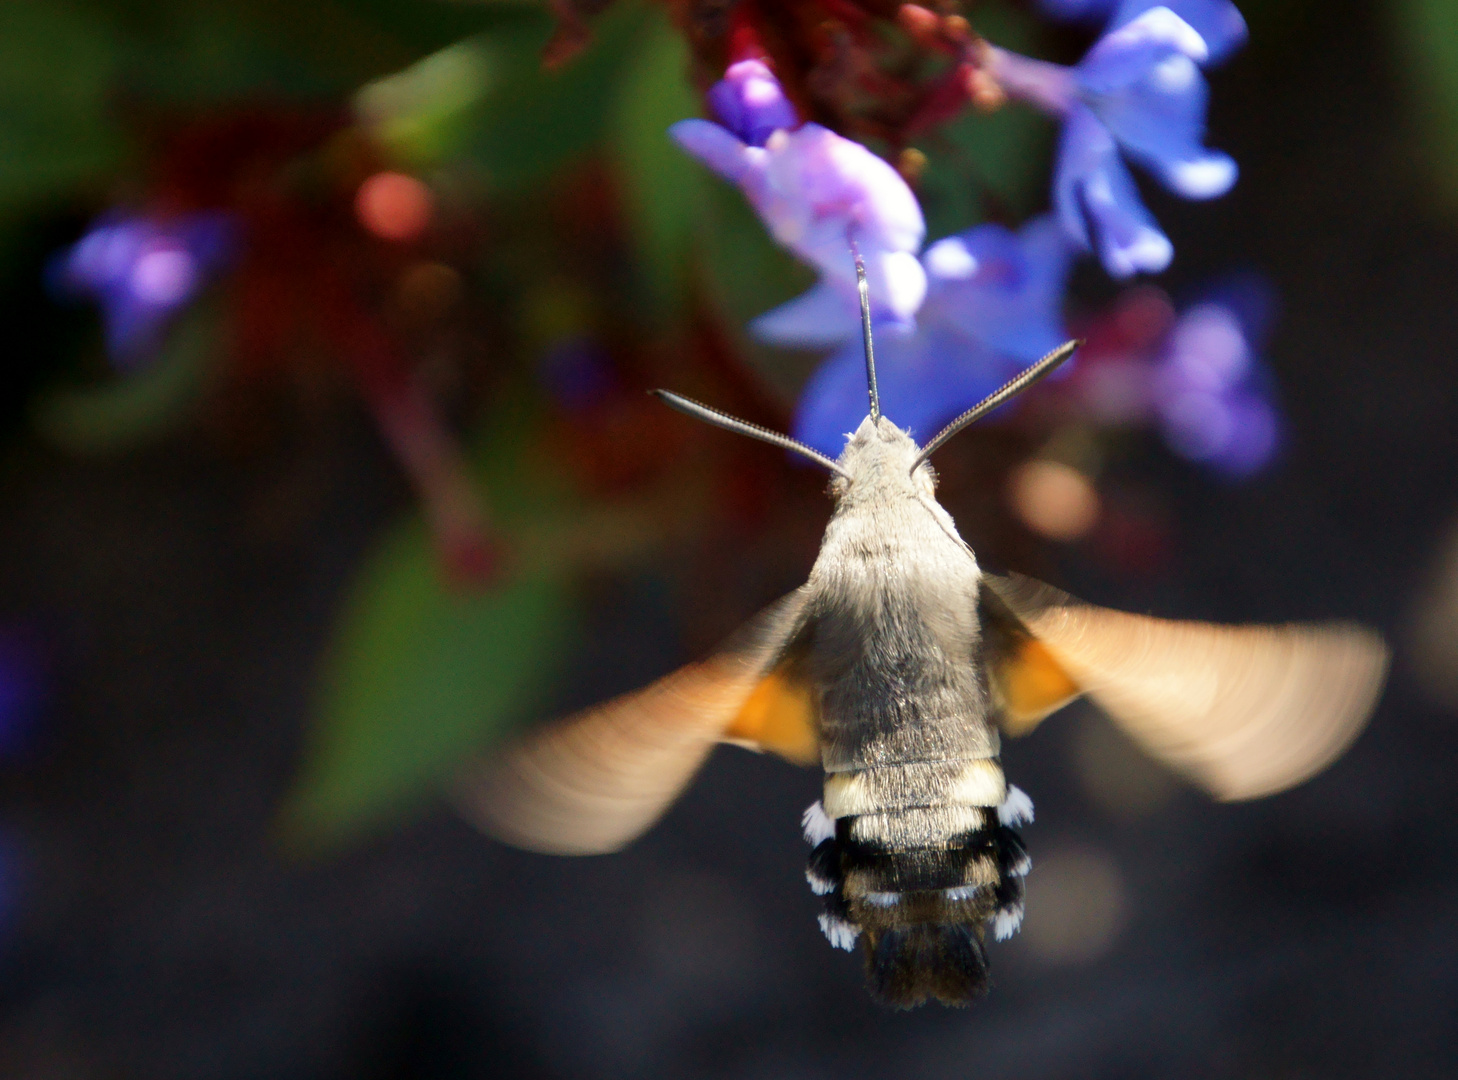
895, 609
918, 860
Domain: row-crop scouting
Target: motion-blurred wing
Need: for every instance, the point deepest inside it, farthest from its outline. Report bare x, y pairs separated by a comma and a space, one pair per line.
598, 779
1245, 711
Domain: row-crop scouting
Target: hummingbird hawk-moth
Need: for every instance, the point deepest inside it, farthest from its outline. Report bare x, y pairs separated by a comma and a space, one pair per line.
894, 667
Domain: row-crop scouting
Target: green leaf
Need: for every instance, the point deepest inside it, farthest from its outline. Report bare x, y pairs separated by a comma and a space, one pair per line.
535, 120
56, 68
423, 112
745, 274
983, 162
197, 51
988, 164
748, 272
1428, 44
950, 198
663, 188
420, 677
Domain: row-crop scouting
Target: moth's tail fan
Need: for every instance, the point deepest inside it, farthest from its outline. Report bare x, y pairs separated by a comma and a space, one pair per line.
906, 966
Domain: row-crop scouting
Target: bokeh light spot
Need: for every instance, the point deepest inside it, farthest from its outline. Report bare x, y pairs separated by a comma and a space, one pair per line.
394, 206
1053, 499
1077, 905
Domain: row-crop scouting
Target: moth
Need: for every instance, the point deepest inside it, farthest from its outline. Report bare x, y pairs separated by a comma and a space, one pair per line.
894, 668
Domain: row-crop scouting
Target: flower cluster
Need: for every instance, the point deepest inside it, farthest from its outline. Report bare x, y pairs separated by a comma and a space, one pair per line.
964, 315
1196, 375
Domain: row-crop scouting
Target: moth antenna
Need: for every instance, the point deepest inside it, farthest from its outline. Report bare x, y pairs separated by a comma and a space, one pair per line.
1010, 389
744, 427
865, 294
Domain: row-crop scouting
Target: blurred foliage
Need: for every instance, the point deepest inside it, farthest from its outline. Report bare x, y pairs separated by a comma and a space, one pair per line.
70, 71
421, 678
57, 69
422, 674
537, 120
663, 190
1427, 33
129, 410
985, 165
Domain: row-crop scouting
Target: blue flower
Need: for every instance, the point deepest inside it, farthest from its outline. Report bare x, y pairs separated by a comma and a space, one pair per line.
143, 271
1210, 391
814, 189
1138, 93
992, 307
1219, 22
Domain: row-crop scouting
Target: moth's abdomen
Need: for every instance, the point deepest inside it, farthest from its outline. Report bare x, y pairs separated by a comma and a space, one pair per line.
914, 861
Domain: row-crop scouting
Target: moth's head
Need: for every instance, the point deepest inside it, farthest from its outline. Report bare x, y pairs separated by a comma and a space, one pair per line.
880, 460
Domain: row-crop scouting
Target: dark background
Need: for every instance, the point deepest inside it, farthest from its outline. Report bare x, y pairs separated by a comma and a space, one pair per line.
158, 932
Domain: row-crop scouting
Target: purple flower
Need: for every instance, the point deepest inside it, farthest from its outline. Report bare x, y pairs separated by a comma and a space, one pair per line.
1210, 391
814, 189
992, 307
1139, 92
750, 102
1219, 22
142, 271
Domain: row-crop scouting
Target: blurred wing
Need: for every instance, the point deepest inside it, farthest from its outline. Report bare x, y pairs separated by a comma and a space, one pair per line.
598, 779
1245, 711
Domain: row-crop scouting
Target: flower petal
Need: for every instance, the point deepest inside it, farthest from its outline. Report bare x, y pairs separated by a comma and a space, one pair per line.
1144, 83
141, 271
826, 176
1158, 28
715, 146
750, 102
924, 381
1159, 119
816, 192
821, 190
1098, 203
950, 259
1219, 22
1011, 301
1255, 436
1202, 177
826, 315
833, 401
